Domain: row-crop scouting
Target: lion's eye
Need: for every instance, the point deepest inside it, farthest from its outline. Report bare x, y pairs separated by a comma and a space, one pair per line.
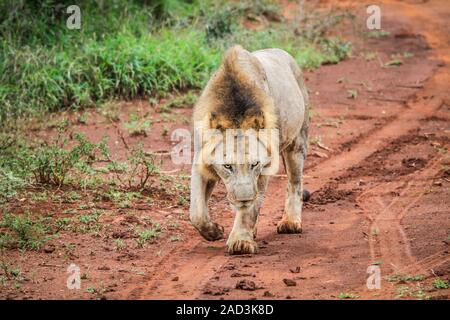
255, 164
227, 166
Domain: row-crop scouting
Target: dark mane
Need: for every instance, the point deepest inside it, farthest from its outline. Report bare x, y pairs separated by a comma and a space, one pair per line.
237, 99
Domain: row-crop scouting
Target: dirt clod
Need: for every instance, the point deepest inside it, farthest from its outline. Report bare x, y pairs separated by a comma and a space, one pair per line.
246, 285
268, 294
295, 270
238, 275
289, 282
417, 163
215, 290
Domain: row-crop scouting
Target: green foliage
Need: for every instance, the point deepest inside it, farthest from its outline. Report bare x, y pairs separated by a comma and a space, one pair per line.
52, 161
9, 184
135, 49
88, 222
347, 296
405, 278
135, 173
440, 284
144, 236
22, 232
137, 126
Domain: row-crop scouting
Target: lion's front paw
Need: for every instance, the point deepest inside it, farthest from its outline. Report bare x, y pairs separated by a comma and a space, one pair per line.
289, 226
211, 231
242, 247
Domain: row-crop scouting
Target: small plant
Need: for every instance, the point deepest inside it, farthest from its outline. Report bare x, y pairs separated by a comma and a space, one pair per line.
219, 24
51, 163
402, 291
182, 200
89, 222
315, 140
90, 289
82, 118
369, 56
22, 232
63, 223
405, 278
377, 34
347, 296
393, 63
120, 244
146, 235
137, 171
188, 99
165, 131
11, 273
352, 93
408, 54
137, 126
440, 284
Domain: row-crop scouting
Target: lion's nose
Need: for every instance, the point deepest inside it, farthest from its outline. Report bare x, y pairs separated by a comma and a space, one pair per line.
244, 192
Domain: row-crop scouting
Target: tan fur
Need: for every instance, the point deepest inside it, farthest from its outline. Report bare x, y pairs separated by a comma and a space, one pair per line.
263, 89
209, 110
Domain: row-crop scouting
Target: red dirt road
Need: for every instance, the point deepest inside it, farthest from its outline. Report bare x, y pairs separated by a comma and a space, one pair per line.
380, 199
378, 170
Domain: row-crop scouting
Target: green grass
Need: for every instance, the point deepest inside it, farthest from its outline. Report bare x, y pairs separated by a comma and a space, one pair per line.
347, 296
123, 51
441, 284
405, 278
144, 236
21, 231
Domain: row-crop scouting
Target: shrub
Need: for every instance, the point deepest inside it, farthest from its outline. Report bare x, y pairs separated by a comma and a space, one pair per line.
22, 232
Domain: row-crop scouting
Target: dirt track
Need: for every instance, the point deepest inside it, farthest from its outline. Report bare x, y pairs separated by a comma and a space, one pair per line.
380, 191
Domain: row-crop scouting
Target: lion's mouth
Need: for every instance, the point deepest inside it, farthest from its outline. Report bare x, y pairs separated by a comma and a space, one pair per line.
244, 204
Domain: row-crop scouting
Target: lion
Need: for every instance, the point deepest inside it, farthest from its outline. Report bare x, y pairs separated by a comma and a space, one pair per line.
260, 90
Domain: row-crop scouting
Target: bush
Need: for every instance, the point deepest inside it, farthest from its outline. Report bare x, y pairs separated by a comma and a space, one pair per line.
22, 232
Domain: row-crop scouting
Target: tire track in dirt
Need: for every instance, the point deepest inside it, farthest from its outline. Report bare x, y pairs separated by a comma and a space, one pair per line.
385, 230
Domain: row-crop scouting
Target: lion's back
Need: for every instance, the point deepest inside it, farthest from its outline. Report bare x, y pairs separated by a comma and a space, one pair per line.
286, 88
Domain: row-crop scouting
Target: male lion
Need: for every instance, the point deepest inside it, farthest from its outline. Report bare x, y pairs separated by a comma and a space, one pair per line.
251, 90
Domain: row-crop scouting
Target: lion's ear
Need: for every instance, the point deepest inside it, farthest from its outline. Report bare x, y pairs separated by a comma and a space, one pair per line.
253, 118
259, 123
213, 120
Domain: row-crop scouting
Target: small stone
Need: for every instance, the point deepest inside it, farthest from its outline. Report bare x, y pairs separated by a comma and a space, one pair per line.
268, 294
49, 249
289, 282
295, 270
246, 285
104, 268
175, 278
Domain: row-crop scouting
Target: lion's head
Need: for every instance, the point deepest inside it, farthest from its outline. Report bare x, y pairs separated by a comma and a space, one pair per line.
236, 128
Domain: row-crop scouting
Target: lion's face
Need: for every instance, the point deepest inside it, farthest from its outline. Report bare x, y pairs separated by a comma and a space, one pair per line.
241, 174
